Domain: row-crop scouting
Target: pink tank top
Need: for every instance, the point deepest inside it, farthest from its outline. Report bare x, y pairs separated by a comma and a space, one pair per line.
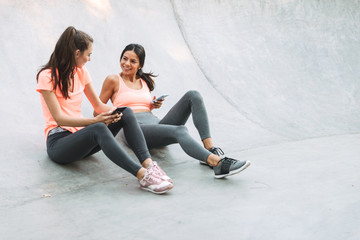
135, 99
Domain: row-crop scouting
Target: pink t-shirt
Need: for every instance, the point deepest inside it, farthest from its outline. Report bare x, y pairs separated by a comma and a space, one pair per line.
135, 99
70, 106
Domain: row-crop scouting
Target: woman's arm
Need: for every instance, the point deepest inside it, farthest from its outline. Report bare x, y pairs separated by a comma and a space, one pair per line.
63, 120
108, 89
99, 106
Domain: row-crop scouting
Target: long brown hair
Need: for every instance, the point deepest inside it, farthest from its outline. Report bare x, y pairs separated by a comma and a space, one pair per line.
140, 52
62, 61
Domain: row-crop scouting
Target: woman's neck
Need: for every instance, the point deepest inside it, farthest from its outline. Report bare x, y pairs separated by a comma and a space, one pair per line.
129, 78
132, 82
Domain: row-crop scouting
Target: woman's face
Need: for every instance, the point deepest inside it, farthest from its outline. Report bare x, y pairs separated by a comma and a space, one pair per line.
84, 57
129, 63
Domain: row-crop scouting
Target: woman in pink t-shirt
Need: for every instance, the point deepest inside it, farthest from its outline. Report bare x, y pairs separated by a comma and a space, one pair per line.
71, 137
132, 88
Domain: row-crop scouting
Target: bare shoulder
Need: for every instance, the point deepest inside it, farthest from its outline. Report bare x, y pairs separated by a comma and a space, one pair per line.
111, 81
112, 78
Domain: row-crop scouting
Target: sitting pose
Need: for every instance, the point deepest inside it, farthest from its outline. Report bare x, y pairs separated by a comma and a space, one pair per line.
70, 136
132, 88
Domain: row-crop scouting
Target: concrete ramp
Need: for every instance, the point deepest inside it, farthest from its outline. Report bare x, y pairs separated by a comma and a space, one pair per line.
290, 67
280, 80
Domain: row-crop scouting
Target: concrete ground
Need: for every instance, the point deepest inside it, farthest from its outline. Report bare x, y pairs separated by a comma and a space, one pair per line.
280, 82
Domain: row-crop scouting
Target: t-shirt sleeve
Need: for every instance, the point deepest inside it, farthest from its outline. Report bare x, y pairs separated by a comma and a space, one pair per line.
44, 81
87, 77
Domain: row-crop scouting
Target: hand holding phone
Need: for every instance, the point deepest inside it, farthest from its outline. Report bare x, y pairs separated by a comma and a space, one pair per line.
118, 110
160, 98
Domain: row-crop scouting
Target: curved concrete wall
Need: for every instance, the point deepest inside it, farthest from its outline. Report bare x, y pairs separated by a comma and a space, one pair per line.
291, 67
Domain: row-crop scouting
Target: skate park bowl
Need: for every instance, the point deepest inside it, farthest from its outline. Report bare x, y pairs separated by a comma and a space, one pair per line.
280, 80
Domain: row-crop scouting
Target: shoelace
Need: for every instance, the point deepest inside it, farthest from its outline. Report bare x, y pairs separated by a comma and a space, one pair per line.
151, 176
226, 160
232, 160
156, 168
160, 173
216, 150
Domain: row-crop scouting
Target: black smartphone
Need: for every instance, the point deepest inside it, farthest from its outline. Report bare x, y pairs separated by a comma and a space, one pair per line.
118, 110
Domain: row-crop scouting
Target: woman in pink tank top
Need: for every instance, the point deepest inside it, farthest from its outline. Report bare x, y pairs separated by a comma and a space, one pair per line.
132, 88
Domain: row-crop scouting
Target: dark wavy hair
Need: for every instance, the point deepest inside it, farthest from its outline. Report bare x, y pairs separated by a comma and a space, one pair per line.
62, 61
140, 52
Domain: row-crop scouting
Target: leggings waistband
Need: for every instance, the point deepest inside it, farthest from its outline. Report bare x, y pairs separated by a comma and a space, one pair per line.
56, 130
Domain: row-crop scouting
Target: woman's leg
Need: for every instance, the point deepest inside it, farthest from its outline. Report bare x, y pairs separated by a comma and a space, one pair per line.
191, 102
159, 135
66, 147
114, 129
134, 136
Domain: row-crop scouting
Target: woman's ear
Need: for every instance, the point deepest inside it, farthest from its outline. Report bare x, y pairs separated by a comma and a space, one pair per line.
77, 53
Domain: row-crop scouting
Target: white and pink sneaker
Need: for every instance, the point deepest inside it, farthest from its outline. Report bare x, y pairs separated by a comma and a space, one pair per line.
153, 183
158, 171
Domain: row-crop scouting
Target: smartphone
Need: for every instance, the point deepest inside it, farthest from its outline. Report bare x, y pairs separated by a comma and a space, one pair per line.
118, 110
159, 98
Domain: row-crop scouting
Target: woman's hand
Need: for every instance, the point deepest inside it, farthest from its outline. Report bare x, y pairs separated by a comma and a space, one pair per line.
157, 104
108, 117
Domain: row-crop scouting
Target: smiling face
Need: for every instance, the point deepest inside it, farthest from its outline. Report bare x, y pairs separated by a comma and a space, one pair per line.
83, 57
129, 64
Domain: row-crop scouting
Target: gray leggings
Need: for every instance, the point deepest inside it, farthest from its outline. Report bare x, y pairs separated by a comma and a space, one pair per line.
171, 129
65, 147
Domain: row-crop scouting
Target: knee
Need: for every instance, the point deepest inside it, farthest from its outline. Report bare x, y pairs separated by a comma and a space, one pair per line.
100, 126
194, 95
98, 129
128, 115
181, 130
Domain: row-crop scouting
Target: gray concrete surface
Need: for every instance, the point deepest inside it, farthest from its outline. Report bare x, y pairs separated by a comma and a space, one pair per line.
281, 83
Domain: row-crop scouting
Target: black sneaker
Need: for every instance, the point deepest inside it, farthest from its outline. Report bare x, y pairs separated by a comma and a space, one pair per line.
214, 150
228, 166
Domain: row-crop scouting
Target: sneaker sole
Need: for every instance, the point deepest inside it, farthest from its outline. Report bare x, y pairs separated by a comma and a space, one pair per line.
151, 190
234, 171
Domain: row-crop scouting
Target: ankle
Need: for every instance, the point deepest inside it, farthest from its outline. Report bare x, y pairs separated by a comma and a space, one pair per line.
146, 163
141, 173
213, 160
207, 142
